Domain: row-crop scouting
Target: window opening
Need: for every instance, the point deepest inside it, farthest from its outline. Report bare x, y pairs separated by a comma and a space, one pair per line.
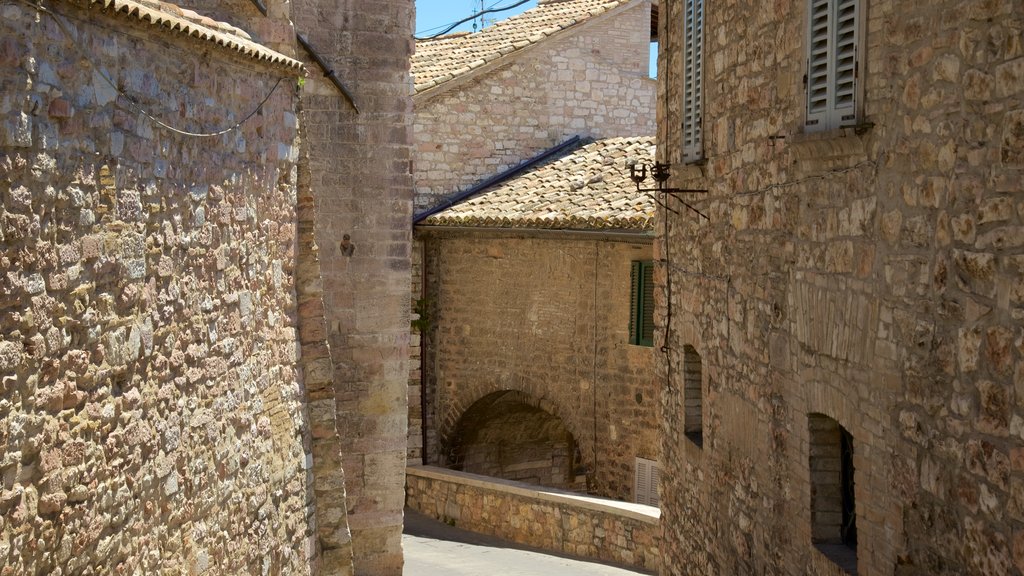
693, 397
833, 503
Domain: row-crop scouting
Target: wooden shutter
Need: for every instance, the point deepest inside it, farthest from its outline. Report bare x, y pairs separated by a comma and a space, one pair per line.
641, 303
647, 305
645, 482
654, 497
693, 80
641, 481
832, 36
818, 50
844, 78
635, 275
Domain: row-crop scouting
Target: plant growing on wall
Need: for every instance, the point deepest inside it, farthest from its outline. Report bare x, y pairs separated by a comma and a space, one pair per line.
421, 307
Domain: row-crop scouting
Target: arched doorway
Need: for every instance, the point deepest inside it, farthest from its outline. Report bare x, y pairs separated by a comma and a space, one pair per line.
506, 435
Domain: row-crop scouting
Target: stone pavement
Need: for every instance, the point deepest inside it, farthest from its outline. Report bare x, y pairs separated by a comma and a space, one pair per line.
436, 549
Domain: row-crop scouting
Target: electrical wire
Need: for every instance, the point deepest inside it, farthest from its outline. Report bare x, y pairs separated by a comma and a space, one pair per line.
822, 176
469, 18
131, 101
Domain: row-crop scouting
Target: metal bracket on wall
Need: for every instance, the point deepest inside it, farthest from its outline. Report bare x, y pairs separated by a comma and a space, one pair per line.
660, 171
260, 6
328, 72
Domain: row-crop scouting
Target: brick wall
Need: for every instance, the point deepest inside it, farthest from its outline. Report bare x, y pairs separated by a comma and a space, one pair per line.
547, 316
591, 81
872, 278
151, 408
564, 523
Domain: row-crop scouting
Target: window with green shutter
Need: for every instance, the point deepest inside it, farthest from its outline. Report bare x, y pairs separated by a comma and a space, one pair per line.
641, 320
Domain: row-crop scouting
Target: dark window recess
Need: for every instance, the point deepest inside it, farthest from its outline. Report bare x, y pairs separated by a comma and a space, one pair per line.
693, 396
833, 508
641, 319
848, 532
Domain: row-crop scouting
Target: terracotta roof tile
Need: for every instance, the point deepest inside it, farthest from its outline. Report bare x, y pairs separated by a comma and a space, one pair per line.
588, 189
171, 19
439, 60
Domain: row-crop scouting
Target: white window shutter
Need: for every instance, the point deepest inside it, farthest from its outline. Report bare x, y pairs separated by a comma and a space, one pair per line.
818, 50
693, 81
655, 498
641, 481
832, 52
645, 482
845, 67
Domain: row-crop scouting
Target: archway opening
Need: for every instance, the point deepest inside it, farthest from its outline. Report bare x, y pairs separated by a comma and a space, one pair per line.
503, 436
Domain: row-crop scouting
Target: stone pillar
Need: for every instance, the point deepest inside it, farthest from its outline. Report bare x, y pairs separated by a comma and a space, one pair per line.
359, 175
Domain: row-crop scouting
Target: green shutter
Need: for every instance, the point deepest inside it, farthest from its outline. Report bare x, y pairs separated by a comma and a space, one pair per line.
641, 304
634, 302
647, 306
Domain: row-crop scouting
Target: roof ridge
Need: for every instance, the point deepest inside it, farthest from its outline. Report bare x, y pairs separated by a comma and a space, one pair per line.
439, 60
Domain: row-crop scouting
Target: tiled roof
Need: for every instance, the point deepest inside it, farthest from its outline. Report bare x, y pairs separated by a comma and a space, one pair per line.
588, 189
440, 60
171, 19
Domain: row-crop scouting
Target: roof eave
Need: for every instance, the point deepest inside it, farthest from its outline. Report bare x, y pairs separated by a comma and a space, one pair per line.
644, 235
181, 27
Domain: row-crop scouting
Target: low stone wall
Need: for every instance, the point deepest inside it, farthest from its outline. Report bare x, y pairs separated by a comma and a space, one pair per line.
562, 522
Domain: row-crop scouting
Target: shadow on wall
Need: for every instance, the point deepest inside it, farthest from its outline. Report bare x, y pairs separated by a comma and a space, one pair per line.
503, 436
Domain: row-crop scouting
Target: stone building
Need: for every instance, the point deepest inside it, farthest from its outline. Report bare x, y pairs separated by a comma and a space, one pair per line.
844, 379
487, 105
174, 395
532, 371
487, 101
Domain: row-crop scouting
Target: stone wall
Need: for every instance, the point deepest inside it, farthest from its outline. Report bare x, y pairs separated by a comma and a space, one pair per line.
547, 315
870, 276
152, 413
417, 424
590, 81
564, 523
358, 165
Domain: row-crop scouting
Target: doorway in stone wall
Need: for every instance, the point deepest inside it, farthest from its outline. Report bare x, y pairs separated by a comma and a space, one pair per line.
503, 435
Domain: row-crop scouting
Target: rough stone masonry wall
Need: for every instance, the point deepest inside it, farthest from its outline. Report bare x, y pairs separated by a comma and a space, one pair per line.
151, 411
559, 522
359, 172
593, 82
875, 278
548, 317
334, 539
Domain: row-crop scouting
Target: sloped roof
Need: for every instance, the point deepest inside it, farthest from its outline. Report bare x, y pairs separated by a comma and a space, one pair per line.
447, 57
171, 19
588, 189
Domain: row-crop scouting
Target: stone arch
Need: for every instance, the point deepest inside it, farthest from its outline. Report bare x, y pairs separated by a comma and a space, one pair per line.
511, 435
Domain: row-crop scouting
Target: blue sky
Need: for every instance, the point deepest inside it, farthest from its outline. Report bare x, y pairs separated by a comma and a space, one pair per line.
433, 13
432, 16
